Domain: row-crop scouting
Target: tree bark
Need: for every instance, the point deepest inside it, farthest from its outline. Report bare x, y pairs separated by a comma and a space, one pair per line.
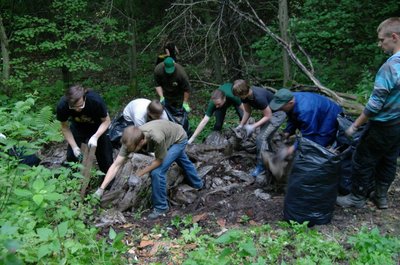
132, 51
4, 54
283, 26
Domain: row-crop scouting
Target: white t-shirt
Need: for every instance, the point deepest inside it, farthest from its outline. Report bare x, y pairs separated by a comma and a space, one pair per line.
136, 111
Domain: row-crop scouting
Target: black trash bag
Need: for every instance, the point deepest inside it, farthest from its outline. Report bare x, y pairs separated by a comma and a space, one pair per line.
20, 153
116, 129
179, 116
312, 184
346, 147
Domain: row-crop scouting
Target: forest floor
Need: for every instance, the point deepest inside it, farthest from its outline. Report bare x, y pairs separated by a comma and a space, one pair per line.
240, 207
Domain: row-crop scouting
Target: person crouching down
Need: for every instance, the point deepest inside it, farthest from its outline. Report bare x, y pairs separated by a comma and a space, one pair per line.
168, 142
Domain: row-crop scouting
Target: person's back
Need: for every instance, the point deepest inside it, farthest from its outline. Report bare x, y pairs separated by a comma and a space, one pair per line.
136, 111
315, 116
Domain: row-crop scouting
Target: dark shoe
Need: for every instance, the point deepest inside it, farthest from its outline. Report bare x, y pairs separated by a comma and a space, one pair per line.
258, 170
157, 213
379, 196
351, 200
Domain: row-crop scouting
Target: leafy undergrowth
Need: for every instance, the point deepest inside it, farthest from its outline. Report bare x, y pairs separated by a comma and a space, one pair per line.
186, 241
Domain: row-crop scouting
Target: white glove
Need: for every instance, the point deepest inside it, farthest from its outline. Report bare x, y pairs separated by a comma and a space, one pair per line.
249, 129
351, 130
238, 127
92, 141
77, 152
99, 193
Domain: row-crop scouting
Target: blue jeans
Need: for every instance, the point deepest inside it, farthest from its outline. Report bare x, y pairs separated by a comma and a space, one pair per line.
176, 153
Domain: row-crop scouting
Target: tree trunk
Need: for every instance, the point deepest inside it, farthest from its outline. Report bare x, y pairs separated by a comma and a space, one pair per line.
4, 54
283, 25
132, 52
216, 63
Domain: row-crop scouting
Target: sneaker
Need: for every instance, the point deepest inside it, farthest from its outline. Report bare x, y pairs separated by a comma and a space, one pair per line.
258, 170
157, 213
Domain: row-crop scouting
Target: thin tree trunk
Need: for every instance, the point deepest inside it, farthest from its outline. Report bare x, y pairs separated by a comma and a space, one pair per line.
216, 62
283, 25
4, 54
132, 51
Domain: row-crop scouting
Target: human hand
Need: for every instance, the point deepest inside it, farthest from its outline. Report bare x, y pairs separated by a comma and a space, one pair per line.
92, 141
77, 152
99, 193
238, 127
351, 130
249, 129
185, 105
162, 100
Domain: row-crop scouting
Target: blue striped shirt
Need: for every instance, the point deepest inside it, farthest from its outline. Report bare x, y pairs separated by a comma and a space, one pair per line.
384, 102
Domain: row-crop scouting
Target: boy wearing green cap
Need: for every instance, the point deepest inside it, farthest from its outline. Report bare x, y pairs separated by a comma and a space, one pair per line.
172, 84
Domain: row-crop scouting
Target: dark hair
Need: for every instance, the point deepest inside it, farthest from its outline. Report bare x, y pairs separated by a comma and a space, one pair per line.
74, 94
217, 94
154, 110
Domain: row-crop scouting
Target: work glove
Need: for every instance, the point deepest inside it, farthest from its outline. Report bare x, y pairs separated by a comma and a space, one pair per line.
249, 129
185, 105
238, 127
99, 193
351, 130
92, 141
77, 152
162, 100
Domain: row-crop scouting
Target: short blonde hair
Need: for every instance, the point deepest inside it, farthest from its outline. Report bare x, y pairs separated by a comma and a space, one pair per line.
240, 88
131, 137
389, 26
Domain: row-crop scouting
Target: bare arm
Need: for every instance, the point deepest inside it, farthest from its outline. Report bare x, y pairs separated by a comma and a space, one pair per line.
112, 171
199, 128
159, 91
153, 165
360, 120
68, 134
103, 126
246, 114
186, 97
267, 114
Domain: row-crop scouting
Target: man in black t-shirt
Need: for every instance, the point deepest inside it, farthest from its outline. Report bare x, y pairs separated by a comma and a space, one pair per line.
258, 98
88, 123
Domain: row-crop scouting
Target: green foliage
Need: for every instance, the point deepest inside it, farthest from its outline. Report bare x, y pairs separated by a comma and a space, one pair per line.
66, 38
374, 248
42, 217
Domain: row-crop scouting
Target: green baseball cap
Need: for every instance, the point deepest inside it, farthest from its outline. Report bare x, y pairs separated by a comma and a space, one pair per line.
169, 65
280, 98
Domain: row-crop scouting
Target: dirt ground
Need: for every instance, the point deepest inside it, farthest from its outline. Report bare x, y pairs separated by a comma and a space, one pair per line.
218, 211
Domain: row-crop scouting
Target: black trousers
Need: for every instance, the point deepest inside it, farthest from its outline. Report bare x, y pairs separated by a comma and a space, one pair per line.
104, 150
220, 114
375, 158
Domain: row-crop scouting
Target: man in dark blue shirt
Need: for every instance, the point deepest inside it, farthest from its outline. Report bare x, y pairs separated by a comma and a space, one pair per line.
312, 114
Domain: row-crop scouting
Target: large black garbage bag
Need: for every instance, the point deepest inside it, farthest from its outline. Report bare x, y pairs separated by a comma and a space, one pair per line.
346, 147
312, 184
116, 128
179, 116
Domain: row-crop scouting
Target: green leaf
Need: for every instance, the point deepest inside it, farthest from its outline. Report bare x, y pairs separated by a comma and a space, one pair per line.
44, 250
38, 184
12, 245
44, 233
54, 196
62, 228
112, 234
249, 248
22, 193
7, 229
38, 199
